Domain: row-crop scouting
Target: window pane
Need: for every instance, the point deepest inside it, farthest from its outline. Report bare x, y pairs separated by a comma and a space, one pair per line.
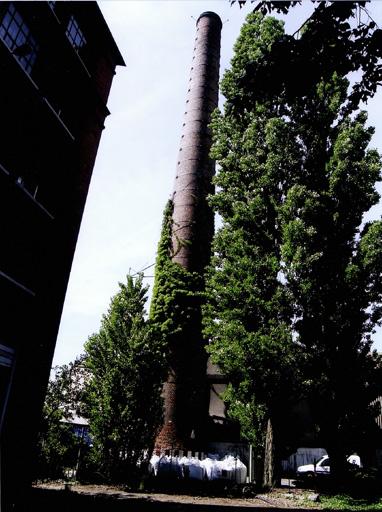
20, 39
7, 356
75, 34
15, 33
8, 41
6, 20
13, 29
18, 18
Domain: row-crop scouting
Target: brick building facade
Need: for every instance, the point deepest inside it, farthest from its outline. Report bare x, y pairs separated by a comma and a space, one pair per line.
57, 62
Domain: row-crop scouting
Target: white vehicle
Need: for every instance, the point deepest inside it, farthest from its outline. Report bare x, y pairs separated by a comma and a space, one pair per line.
322, 467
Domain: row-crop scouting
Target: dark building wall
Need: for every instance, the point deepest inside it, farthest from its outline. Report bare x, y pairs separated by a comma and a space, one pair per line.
57, 63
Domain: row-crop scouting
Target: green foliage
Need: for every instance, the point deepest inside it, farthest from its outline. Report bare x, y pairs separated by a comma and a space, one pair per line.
265, 6
176, 315
177, 294
345, 502
334, 31
248, 314
57, 444
295, 283
125, 361
58, 447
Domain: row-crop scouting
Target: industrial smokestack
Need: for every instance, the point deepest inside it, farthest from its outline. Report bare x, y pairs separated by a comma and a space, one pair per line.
192, 218
193, 227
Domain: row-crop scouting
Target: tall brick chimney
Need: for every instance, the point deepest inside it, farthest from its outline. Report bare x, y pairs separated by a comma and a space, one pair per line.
193, 226
193, 219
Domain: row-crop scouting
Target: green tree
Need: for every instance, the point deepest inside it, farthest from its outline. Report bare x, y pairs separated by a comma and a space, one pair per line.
294, 286
57, 444
125, 361
336, 30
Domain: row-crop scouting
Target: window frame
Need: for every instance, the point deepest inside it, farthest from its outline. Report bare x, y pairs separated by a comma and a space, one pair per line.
74, 34
17, 36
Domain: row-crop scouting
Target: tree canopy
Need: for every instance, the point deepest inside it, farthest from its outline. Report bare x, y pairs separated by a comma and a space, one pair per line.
125, 361
57, 444
318, 47
295, 282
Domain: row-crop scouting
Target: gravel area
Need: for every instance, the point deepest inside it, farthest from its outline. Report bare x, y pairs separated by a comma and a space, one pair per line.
279, 498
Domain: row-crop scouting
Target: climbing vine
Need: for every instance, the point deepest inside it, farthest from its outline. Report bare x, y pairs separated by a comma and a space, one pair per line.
177, 293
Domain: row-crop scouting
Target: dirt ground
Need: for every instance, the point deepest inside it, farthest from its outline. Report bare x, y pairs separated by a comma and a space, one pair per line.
277, 499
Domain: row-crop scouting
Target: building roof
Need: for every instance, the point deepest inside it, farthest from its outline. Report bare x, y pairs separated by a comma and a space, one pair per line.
104, 29
77, 420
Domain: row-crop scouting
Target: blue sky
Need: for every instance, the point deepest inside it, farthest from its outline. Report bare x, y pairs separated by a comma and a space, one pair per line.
135, 167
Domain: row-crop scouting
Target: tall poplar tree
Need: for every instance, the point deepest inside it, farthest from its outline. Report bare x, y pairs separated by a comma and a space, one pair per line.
295, 283
125, 361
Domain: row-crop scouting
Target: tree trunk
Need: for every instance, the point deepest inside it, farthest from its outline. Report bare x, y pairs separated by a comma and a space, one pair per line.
269, 478
337, 458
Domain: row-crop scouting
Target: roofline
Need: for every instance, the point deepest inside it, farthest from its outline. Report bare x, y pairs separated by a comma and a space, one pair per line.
119, 59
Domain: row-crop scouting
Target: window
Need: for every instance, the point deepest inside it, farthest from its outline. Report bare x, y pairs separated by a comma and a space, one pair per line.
75, 34
16, 35
7, 356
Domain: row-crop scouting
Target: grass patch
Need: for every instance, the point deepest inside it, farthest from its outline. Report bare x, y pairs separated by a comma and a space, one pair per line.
346, 502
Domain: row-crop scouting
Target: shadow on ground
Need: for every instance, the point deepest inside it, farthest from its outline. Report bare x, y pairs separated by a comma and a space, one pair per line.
52, 500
